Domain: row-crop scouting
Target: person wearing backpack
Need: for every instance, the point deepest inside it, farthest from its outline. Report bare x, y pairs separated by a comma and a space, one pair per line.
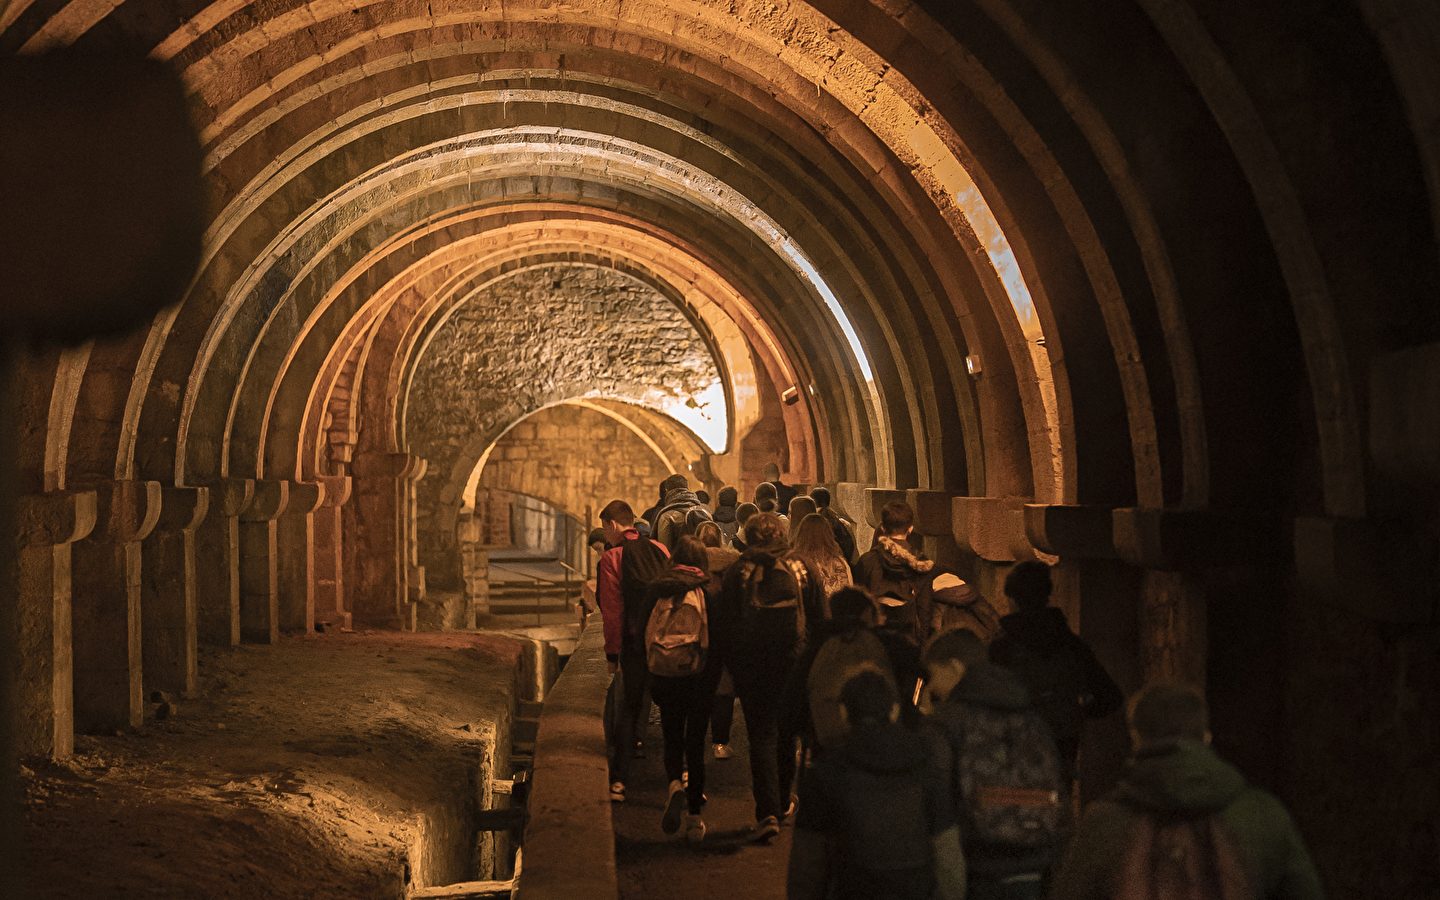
1065, 679
625, 606
683, 676
725, 515
841, 527
1183, 823
896, 568
720, 558
956, 604
875, 820
670, 516
839, 648
1002, 765
765, 602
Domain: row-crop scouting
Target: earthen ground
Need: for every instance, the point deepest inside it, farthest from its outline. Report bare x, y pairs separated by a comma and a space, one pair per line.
301, 770
727, 865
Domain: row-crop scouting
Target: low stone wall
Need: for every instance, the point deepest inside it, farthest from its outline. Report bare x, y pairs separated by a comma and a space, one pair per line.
569, 841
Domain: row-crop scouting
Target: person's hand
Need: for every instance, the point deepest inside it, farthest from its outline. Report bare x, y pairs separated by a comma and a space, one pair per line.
613, 666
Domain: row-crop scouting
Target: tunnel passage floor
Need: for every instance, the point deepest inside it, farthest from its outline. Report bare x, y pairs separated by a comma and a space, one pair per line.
300, 770
727, 865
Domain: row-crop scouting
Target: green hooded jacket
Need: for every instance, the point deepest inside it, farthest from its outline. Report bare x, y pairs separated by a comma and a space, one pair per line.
1187, 778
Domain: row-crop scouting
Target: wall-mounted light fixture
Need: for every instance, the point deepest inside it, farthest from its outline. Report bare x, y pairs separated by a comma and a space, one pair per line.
791, 396
972, 364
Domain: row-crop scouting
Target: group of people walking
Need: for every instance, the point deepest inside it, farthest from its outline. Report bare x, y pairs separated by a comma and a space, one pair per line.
920, 744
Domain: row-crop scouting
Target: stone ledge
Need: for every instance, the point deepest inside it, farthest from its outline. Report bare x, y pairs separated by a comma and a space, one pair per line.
55, 517
569, 840
992, 527
1077, 532
1184, 539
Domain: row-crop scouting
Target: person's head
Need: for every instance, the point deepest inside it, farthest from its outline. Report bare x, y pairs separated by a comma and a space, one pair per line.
947, 657
767, 505
597, 540
744, 512
765, 491
1029, 585
728, 496
814, 538
771, 472
676, 482
765, 530
1164, 711
703, 497
821, 496
709, 534
615, 518
690, 552
801, 507
869, 697
851, 603
897, 518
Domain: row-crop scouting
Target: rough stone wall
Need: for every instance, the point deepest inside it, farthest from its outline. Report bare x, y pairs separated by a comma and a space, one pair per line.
575, 457
535, 338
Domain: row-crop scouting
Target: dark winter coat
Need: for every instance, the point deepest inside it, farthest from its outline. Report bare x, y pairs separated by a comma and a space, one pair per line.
843, 535
881, 801
1185, 779
728, 522
670, 517
1038, 644
894, 566
763, 641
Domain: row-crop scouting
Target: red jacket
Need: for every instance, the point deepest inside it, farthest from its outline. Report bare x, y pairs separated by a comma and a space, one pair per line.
607, 593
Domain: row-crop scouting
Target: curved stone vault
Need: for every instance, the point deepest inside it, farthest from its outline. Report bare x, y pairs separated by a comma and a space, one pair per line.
1144, 288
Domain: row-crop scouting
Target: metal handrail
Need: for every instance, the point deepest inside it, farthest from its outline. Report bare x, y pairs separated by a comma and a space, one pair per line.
535, 578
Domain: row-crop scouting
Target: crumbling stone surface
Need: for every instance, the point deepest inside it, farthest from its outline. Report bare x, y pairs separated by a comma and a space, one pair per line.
533, 339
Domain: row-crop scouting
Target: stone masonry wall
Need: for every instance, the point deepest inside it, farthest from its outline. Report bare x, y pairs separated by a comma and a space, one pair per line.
575, 457
530, 340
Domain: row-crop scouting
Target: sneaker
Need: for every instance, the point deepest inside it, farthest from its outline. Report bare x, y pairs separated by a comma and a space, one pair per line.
694, 827
789, 810
617, 792
722, 751
674, 808
767, 828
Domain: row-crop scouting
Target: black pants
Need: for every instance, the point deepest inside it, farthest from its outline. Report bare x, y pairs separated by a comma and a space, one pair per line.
684, 719
634, 678
772, 753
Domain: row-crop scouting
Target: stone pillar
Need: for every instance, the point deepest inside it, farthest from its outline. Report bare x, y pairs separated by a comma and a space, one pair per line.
167, 592
217, 562
105, 579
331, 604
47, 526
295, 541
259, 563
380, 594
410, 543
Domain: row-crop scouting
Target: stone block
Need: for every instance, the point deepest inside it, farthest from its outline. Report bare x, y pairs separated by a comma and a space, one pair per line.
270, 500
934, 515
1181, 539
1082, 532
55, 517
993, 528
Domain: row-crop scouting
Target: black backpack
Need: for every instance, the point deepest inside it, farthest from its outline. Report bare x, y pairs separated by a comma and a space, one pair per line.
1056, 682
641, 560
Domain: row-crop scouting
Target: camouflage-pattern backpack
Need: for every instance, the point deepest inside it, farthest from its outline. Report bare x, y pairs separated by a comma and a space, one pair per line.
1006, 773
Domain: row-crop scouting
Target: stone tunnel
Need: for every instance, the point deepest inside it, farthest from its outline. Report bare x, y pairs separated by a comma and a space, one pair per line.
1146, 289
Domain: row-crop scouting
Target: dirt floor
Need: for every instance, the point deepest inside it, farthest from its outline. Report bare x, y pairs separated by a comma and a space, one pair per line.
301, 770
727, 865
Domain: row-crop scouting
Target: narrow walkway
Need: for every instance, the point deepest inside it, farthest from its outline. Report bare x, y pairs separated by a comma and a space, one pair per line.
727, 865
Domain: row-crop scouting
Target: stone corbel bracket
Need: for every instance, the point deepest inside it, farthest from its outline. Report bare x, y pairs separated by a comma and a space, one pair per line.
1075, 532
183, 508
231, 496
56, 517
993, 528
1187, 539
304, 497
270, 500
875, 500
127, 510
337, 490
